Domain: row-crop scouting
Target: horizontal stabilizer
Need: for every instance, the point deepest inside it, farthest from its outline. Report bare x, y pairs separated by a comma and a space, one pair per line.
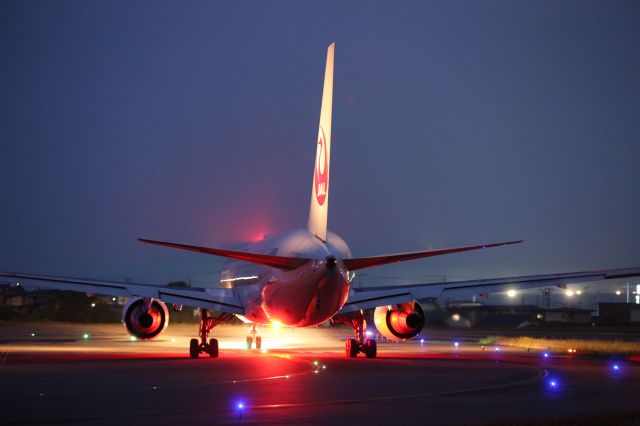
368, 262
279, 262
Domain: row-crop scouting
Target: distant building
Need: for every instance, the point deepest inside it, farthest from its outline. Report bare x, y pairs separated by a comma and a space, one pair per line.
567, 316
619, 313
469, 315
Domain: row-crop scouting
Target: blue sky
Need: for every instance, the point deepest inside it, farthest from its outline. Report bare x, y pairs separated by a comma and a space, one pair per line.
454, 123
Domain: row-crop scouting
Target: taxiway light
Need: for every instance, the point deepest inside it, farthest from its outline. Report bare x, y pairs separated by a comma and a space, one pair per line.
240, 405
511, 293
545, 355
497, 349
616, 367
85, 336
456, 344
421, 341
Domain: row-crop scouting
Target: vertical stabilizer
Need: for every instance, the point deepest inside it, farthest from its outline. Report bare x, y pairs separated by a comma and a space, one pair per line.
320, 190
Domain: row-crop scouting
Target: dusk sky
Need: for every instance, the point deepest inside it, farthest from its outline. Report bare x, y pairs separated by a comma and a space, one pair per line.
454, 123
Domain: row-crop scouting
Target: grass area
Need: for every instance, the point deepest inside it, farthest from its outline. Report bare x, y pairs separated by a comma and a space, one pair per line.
584, 346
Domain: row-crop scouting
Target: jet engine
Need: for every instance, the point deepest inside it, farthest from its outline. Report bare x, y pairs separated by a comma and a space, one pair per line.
145, 318
399, 322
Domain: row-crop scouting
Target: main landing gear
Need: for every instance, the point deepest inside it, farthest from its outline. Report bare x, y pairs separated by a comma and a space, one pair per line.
252, 337
207, 322
354, 346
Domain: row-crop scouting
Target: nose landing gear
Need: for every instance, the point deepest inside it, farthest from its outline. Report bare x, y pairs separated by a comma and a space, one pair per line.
354, 346
207, 322
252, 337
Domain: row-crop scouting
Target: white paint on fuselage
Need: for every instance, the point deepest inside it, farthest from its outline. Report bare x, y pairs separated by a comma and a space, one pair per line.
305, 296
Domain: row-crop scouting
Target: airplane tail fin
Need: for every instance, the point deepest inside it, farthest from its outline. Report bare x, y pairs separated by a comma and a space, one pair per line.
320, 190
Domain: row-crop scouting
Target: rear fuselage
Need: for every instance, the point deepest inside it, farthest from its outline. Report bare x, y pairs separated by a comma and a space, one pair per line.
305, 296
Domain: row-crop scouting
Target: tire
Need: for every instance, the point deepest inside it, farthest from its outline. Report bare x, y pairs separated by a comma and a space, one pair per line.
351, 348
249, 342
213, 348
370, 348
194, 348
258, 342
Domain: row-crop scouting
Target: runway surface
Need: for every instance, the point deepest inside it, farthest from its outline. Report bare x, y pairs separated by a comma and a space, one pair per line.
54, 374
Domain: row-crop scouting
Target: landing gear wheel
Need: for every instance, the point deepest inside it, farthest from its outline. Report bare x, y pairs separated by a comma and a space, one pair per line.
258, 342
194, 348
213, 348
249, 342
370, 348
352, 348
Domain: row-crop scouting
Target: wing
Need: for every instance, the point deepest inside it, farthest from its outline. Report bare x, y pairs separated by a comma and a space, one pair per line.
385, 259
218, 299
366, 298
280, 262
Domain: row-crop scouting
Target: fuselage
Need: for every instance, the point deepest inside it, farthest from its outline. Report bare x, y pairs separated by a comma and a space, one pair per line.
302, 297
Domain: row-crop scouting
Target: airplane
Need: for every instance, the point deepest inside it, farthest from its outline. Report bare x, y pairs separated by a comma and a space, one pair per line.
302, 278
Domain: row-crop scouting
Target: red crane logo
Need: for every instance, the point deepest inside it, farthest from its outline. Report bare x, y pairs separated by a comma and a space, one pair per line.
321, 172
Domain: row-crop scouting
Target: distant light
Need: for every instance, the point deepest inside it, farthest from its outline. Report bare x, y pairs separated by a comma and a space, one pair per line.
240, 405
553, 384
369, 333
455, 317
85, 336
511, 293
569, 293
276, 324
113, 298
616, 367
618, 292
579, 292
497, 349
571, 350
17, 284
33, 334
324, 367
93, 305
173, 340
421, 341
315, 363
133, 338
456, 344
546, 354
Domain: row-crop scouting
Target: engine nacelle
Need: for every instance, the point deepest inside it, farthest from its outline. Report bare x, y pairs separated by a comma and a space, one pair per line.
400, 322
145, 318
